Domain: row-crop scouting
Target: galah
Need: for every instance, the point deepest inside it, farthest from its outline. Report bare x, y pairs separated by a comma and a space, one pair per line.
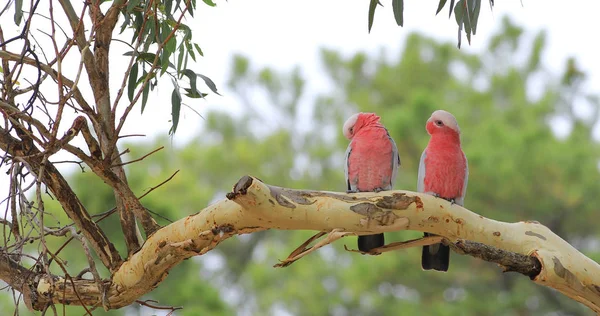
443, 172
372, 163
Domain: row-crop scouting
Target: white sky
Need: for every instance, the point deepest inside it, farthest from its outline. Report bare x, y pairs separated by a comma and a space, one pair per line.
283, 34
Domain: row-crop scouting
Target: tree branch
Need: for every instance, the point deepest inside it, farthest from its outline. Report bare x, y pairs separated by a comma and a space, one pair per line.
72, 206
254, 206
4, 55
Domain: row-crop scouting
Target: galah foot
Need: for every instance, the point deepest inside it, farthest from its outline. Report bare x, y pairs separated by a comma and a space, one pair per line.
452, 201
351, 191
433, 194
377, 190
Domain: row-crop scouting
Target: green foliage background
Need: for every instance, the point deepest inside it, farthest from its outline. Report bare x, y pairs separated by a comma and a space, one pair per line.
519, 170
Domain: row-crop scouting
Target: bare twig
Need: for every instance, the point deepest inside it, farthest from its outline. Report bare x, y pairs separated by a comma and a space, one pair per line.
141, 158
151, 304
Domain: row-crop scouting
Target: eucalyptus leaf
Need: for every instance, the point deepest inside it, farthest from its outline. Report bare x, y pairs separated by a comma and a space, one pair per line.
475, 16
372, 7
198, 49
194, 94
191, 75
145, 93
132, 81
18, 12
131, 4
175, 109
398, 8
440, 6
168, 8
209, 83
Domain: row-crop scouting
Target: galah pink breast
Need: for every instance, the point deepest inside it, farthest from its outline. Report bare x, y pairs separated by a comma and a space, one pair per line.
372, 163
443, 172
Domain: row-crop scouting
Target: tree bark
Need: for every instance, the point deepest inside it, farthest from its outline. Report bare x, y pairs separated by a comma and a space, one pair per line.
527, 247
69, 201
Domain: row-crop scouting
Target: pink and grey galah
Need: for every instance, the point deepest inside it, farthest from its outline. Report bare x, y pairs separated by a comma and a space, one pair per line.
443, 172
372, 163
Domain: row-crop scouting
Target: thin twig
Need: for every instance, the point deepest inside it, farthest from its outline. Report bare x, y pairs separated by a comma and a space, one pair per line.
139, 159
147, 303
106, 214
158, 185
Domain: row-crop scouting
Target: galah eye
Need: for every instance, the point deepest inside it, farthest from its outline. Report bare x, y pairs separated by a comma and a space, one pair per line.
351, 130
439, 123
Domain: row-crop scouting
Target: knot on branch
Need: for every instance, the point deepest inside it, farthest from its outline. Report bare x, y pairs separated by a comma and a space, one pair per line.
240, 188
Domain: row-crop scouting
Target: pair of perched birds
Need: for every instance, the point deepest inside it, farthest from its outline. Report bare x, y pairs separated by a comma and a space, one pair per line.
372, 162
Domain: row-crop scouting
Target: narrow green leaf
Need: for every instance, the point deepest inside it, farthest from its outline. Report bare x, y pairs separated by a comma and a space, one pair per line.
132, 81
145, 93
398, 8
466, 13
192, 77
180, 58
190, 51
465, 10
171, 44
468, 37
185, 61
126, 21
458, 15
131, 4
194, 94
475, 16
165, 30
198, 49
209, 83
210, 3
148, 57
137, 24
372, 7
187, 32
451, 8
18, 11
440, 6
151, 39
164, 62
175, 109
191, 10
168, 8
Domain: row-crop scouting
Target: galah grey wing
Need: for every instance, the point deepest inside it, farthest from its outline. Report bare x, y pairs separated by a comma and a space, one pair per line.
350, 183
461, 199
421, 173
395, 162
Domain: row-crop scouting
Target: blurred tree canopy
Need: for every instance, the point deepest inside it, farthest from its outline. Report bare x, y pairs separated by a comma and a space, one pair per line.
527, 132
